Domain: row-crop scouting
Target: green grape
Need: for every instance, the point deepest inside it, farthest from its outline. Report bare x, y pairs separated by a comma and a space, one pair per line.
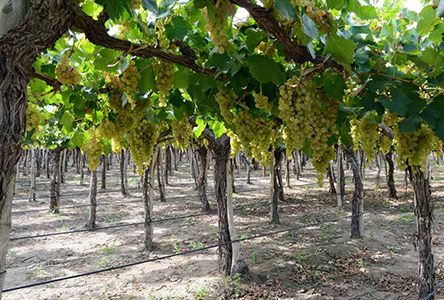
235, 143
33, 119
226, 100
117, 143
385, 144
93, 149
261, 102
257, 137
164, 77
67, 74
182, 132
106, 129
142, 138
115, 93
413, 147
365, 137
124, 120
308, 113
216, 26
130, 78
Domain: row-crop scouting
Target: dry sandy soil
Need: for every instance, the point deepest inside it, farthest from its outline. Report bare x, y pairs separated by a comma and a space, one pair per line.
318, 262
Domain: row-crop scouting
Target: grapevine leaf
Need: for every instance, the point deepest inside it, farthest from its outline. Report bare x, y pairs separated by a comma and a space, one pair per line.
147, 80
107, 148
410, 124
307, 148
339, 47
181, 78
334, 86
286, 9
150, 5
428, 20
344, 132
178, 29
201, 125
433, 114
335, 4
66, 121
115, 8
77, 140
265, 70
253, 39
309, 27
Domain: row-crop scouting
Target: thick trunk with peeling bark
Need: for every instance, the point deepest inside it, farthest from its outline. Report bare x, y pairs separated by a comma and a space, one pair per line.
92, 201
390, 176
424, 219
357, 222
38, 162
331, 179
276, 186
287, 171
160, 179
19, 49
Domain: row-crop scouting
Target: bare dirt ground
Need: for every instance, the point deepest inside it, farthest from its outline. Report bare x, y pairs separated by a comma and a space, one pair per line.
318, 262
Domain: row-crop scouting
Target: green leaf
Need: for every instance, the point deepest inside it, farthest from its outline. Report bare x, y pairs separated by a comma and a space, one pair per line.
344, 132
202, 3
66, 121
342, 49
307, 148
253, 39
77, 140
201, 125
150, 5
309, 27
436, 35
177, 30
428, 20
334, 86
335, 4
410, 124
147, 80
181, 78
265, 69
115, 8
286, 9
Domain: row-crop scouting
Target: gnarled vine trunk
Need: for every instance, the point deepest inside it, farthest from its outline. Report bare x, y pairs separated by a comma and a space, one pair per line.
122, 172
202, 180
56, 180
92, 201
48, 21
357, 222
103, 184
147, 198
424, 218
390, 175
340, 186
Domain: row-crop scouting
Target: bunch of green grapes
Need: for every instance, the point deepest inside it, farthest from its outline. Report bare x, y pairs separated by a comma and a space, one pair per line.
93, 149
33, 119
115, 93
226, 100
365, 137
130, 78
182, 132
385, 144
308, 112
261, 102
235, 143
117, 143
107, 129
257, 137
142, 138
216, 26
67, 74
295, 103
164, 76
414, 147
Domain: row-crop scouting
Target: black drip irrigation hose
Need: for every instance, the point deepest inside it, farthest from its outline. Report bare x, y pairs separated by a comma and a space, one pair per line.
187, 252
